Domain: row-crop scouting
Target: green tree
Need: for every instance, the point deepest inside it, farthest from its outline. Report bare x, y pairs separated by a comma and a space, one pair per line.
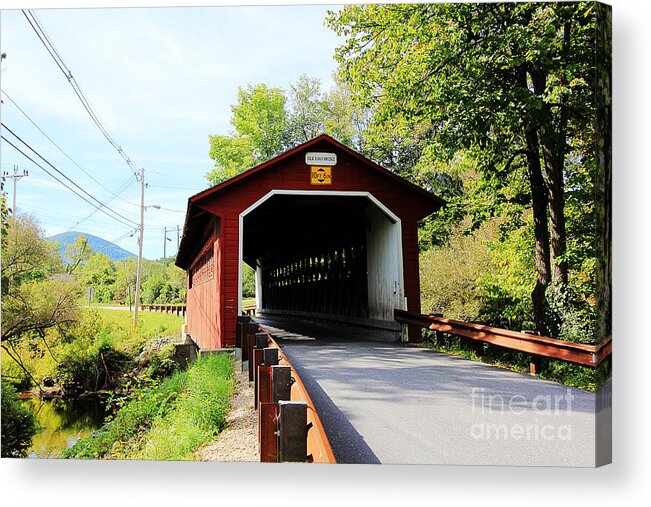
99, 273
509, 83
268, 121
78, 253
260, 123
36, 294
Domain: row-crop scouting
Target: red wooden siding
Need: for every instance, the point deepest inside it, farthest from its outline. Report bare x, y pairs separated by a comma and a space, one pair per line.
204, 321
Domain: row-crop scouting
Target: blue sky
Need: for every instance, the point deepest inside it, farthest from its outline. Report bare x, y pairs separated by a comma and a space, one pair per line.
162, 80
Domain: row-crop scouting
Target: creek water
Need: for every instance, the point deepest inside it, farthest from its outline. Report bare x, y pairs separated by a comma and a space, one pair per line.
63, 423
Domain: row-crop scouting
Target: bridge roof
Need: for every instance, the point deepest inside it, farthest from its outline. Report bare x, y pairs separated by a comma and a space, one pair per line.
197, 216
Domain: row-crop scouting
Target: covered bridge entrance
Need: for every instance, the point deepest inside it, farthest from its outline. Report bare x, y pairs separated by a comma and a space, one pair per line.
331, 236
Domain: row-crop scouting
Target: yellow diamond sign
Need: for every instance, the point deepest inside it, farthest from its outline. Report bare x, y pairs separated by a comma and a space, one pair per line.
320, 175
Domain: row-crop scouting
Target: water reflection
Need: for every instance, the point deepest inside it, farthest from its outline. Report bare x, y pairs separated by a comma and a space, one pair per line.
63, 423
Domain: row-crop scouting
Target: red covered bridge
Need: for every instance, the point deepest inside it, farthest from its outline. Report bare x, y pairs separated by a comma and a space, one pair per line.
332, 236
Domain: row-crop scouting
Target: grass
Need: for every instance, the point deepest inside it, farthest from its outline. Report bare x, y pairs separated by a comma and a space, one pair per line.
169, 421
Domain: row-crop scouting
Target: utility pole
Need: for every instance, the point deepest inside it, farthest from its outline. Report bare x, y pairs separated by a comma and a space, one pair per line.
165, 240
177, 238
15, 176
142, 228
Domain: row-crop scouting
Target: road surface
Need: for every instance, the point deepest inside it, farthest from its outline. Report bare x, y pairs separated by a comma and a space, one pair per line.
393, 403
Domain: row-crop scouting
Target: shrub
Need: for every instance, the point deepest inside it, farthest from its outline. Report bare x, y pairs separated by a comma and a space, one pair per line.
449, 274
19, 424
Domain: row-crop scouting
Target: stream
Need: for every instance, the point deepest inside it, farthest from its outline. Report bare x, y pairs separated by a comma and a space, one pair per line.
63, 423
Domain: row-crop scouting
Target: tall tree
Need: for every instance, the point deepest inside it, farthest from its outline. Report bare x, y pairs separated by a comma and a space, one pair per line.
260, 123
508, 82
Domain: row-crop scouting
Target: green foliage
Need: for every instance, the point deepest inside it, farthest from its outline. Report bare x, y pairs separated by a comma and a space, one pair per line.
19, 424
77, 253
133, 419
248, 281
26, 256
95, 352
99, 272
168, 421
506, 289
569, 317
449, 274
164, 284
260, 121
268, 121
199, 413
507, 87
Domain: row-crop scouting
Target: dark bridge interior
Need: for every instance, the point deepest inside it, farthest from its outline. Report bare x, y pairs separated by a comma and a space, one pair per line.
311, 253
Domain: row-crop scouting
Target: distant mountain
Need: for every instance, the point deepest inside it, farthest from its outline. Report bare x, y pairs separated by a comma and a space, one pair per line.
111, 250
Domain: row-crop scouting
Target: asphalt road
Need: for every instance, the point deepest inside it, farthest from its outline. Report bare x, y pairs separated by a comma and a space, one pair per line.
393, 403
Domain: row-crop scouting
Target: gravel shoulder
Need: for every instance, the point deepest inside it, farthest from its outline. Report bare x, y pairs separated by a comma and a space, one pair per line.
239, 440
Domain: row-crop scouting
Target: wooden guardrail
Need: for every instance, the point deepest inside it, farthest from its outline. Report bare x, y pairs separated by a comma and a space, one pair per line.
537, 346
289, 427
174, 309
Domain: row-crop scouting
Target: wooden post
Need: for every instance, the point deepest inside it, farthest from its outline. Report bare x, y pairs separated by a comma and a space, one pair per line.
292, 431
248, 339
261, 340
478, 347
534, 364
534, 360
264, 359
270, 357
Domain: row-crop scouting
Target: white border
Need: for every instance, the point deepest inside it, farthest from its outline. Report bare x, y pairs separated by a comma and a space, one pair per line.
326, 193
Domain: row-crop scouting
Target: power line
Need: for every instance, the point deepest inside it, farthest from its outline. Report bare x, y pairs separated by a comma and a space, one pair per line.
175, 188
121, 189
101, 204
49, 46
100, 208
115, 194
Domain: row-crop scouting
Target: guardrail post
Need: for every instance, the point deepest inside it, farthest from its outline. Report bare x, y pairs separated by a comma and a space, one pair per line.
248, 340
262, 382
241, 326
478, 347
281, 383
292, 431
259, 342
534, 364
268, 432
534, 360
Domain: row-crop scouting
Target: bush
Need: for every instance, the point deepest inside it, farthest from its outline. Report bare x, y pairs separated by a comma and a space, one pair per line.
449, 274
19, 424
169, 421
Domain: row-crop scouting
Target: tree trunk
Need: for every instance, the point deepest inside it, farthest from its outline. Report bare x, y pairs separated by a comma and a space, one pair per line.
541, 231
539, 204
554, 163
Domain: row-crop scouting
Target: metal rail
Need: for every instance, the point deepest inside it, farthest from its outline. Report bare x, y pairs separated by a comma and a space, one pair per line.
571, 352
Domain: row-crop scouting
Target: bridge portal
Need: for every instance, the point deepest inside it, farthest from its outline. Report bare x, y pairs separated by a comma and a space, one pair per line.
331, 235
